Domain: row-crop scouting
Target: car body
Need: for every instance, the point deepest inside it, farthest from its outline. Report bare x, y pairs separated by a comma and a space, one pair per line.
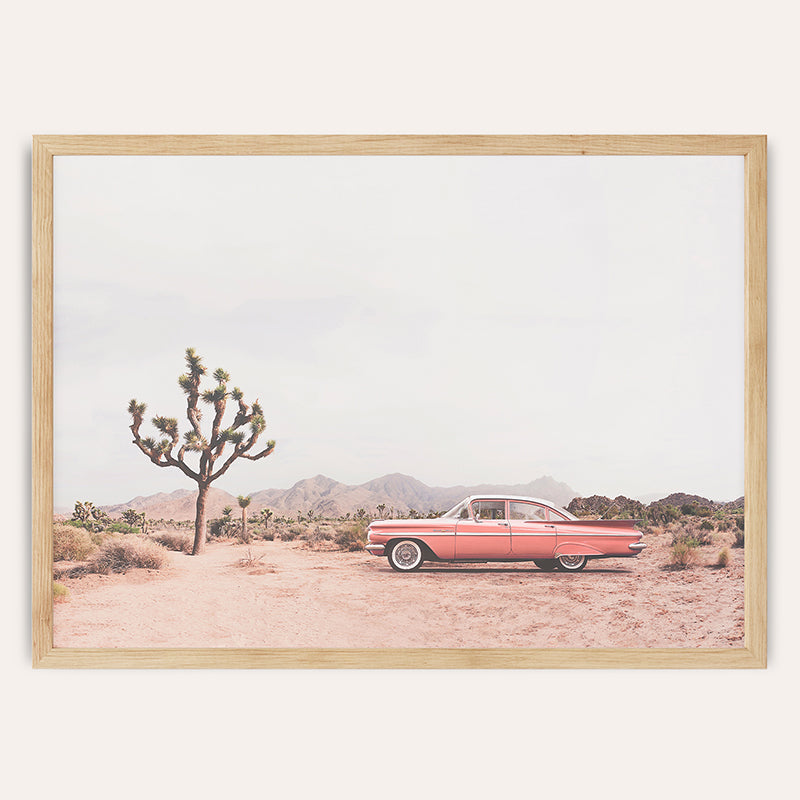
489, 527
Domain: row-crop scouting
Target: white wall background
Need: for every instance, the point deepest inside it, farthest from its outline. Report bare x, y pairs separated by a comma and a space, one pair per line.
415, 67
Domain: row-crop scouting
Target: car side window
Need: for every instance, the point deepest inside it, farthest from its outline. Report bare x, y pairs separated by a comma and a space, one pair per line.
554, 516
527, 511
489, 509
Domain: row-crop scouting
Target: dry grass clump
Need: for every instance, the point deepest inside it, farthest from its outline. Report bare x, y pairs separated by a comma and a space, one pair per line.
319, 535
175, 540
254, 564
71, 543
250, 560
723, 558
291, 533
60, 592
130, 552
682, 555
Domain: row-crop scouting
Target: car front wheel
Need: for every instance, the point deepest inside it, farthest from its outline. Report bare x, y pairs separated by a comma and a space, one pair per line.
571, 563
545, 564
406, 556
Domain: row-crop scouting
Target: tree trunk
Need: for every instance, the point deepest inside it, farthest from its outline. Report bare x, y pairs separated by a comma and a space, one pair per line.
244, 524
200, 521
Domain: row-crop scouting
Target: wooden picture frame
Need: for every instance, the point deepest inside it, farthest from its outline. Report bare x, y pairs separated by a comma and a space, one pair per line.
752, 149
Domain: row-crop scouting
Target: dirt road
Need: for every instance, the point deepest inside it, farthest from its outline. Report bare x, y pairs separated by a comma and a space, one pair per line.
301, 598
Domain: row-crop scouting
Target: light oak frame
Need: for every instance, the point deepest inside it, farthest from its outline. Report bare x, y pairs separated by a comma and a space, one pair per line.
753, 149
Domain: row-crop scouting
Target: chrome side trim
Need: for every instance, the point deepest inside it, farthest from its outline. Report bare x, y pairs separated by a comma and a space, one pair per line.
568, 533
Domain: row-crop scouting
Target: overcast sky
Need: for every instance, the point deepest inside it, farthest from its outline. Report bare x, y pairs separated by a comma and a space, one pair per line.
459, 319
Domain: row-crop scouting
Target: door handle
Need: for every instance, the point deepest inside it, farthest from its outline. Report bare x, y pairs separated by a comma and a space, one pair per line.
550, 526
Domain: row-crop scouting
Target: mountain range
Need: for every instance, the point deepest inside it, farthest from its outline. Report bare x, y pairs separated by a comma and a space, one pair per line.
329, 498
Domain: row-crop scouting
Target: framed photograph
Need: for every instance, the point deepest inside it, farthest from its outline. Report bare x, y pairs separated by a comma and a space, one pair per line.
399, 401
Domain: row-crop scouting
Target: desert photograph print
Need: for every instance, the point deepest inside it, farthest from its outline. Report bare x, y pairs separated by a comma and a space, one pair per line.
388, 402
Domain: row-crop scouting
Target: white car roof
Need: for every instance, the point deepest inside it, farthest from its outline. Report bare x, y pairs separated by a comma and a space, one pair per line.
514, 497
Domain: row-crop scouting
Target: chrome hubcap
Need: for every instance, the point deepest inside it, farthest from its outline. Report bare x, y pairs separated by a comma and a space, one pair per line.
572, 561
406, 555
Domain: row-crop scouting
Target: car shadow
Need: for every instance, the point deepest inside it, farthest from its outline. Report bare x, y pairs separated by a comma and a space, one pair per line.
517, 571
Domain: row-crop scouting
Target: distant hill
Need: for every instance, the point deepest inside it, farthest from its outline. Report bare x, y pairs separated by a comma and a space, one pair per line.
622, 507
330, 498
175, 505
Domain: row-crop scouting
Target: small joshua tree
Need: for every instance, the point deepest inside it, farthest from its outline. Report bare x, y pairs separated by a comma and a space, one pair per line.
266, 514
243, 503
381, 508
135, 518
210, 450
83, 511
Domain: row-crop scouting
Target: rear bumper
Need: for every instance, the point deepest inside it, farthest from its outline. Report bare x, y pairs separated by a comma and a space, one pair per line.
376, 549
637, 547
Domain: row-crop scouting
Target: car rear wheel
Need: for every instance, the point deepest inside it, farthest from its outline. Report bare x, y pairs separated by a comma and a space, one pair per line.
406, 556
545, 564
571, 563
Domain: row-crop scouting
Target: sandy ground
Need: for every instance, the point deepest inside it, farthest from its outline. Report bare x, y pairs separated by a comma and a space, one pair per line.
300, 598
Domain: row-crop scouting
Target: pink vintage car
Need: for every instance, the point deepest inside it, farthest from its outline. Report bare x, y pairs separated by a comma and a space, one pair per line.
502, 528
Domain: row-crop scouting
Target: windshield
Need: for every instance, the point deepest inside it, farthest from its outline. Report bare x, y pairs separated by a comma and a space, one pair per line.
456, 512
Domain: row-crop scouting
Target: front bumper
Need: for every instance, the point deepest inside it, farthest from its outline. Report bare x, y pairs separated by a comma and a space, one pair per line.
376, 549
637, 547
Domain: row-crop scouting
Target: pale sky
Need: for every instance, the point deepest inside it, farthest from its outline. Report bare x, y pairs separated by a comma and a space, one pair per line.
460, 319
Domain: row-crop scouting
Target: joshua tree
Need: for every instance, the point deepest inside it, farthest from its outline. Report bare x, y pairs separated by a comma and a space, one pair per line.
243, 503
161, 453
227, 511
83, 511
266, 513
135, 518
381, 508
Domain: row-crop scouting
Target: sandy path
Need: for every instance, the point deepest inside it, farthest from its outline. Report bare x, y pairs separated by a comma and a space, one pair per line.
302, 598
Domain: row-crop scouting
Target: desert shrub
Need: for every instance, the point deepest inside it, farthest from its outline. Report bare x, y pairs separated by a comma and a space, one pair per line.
244, 535
222, 527
120, 555
706, 525
740, 523
317, 535
289, 534
122, 527
682, 555
724, 524
174, 540
661, 513
267, 536
695, 510
93, 525
60, 592
352, 537
723, 558
692, 535
738, 538
71, 543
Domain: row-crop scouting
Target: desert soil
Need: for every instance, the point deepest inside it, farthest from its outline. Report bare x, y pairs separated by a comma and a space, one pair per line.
294, 597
